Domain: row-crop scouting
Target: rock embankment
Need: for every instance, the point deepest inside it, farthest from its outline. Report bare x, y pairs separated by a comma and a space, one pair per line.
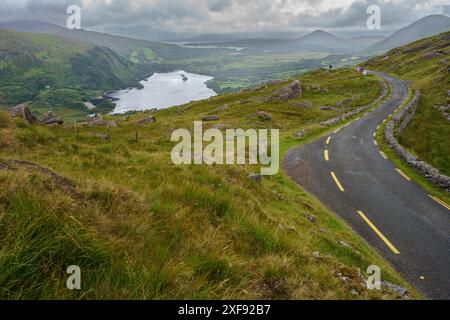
396, 126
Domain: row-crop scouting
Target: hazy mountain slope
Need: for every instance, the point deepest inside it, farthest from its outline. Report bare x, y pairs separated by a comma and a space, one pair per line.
55, 72
142, 228
423, 28
141, 50
426, 64
318, 41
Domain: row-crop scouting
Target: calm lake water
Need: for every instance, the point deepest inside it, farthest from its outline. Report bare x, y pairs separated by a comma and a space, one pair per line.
164, 90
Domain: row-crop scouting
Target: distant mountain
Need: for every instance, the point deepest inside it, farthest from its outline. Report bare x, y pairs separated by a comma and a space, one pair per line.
138, 50
228, 37
426, 27
318, 40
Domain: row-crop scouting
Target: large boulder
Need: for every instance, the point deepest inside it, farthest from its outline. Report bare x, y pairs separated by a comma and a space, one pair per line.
292, 91
22, 110
97, 121
51, 119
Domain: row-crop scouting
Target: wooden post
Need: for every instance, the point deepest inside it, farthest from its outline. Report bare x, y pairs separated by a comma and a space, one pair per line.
76, 128
137, 136
109, 134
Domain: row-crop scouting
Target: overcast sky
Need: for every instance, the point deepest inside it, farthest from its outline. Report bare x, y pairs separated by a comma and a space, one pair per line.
223, 16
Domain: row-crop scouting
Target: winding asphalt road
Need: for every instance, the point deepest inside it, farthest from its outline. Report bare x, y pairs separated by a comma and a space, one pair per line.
347, 172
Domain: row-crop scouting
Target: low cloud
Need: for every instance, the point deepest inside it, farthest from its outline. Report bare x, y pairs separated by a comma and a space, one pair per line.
219, 16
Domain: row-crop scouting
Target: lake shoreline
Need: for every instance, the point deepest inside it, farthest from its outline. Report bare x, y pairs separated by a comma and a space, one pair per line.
161, 91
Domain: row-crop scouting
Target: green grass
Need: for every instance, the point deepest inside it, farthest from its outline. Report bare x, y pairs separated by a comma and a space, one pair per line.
143, 228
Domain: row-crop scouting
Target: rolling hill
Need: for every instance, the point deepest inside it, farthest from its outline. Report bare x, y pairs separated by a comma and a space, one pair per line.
138, 50
57, 73
423, 28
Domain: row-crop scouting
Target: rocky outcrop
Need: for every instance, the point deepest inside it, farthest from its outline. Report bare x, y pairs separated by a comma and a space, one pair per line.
292, 91
97, 121
51, 119
23, 111
396, 126
265, 116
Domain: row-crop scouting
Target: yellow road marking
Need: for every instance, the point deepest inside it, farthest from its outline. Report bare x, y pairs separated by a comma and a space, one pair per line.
374, 134
328, 140
375, 142
383, 155
326, 155
385, 240
403, 174
442, 203
337, 182
337, 131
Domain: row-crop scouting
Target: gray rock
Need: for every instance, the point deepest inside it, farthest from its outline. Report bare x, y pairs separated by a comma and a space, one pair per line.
326, 108
211, 118
316, 254
264, 116
22, 110
51, 119
104, 137
311, 218
145, 121
402, 292
292, 91
97, 121
255, 177
300, 134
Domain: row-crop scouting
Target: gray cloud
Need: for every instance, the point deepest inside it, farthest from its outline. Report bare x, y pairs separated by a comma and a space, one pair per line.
218, 16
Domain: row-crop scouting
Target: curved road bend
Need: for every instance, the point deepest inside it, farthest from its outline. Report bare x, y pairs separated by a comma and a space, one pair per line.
347, 172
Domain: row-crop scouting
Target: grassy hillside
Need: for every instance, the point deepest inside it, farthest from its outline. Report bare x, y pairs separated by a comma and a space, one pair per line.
59, 74
141, 228
425, 64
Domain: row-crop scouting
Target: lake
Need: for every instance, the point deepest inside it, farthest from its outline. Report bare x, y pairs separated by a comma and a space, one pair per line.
163, 90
